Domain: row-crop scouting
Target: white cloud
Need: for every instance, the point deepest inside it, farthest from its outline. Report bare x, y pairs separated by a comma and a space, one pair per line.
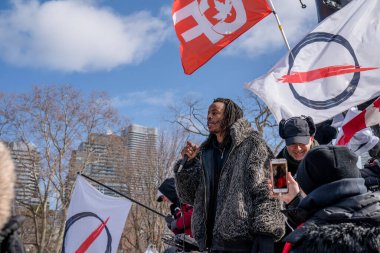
145, 98
265, 36
70, 35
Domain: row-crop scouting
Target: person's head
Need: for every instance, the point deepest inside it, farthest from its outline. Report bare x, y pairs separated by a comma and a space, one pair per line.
7, 181
298, 133
326, 164
166, 191
222, 114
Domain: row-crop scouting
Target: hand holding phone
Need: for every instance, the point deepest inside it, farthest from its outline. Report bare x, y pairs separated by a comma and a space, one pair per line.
279, 175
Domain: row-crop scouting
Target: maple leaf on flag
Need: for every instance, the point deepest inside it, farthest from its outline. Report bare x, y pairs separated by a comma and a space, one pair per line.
203, 30
224, 9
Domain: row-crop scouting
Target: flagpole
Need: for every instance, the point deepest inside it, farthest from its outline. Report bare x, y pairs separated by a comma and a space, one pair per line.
125, 196
280, 26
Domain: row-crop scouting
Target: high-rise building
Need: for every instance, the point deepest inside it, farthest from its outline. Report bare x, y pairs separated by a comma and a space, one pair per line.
141, 143
117, 161
27, 166
103, 158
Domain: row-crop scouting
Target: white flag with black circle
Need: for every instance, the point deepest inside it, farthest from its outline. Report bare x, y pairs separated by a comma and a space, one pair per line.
332, 69
94, 221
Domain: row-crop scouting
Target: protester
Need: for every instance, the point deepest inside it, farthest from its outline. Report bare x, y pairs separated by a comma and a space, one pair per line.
225, 181
298, 133
371, 170
331, 201
179, 221
10, 241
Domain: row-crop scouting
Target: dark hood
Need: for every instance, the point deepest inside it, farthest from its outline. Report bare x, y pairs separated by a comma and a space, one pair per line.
167, 188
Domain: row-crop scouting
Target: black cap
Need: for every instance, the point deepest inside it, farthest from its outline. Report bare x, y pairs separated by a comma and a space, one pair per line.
326, 164
296, 130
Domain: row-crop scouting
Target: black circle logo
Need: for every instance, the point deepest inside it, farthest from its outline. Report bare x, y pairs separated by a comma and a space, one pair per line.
346, 93
79, 216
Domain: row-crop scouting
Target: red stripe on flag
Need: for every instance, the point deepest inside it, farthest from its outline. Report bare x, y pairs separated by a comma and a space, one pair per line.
351, 127
92, 237
302, 77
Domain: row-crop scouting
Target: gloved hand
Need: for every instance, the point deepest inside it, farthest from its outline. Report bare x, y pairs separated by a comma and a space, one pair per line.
374, 166
169, 219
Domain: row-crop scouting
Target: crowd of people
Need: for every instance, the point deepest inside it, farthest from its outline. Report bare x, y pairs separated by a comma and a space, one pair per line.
222, 193
331, 205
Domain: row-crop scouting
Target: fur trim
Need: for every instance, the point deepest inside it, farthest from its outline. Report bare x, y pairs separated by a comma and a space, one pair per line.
345, 237
7, 182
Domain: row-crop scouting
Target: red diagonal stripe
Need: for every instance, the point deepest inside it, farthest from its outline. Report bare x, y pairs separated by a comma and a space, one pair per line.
92, 237
353, 126
302, 77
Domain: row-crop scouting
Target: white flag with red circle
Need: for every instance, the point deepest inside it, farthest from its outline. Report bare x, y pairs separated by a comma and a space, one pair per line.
332, 69
94, 221
204, 27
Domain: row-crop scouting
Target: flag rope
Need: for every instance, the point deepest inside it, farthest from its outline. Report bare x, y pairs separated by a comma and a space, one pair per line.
121, 194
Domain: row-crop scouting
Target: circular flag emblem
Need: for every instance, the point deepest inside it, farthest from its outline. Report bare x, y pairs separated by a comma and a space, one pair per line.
92, 236
347, 92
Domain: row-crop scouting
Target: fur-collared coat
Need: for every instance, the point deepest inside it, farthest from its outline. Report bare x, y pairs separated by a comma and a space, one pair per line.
7, 182
244, 208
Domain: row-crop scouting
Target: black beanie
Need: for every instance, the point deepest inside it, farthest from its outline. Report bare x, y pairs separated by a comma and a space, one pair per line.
167, 188
326, 164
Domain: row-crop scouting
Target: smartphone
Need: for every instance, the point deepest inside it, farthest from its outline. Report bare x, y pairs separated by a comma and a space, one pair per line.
279, 175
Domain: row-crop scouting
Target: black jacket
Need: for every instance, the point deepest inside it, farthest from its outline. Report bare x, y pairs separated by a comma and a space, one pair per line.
338, 217
10, 240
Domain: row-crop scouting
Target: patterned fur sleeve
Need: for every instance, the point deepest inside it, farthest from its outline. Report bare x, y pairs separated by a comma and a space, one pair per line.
187, 180
268, 216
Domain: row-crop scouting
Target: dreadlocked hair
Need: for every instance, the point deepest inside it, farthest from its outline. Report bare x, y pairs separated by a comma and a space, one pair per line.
232, 112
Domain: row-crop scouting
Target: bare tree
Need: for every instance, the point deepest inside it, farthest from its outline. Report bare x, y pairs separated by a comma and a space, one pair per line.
143, 226
54, 119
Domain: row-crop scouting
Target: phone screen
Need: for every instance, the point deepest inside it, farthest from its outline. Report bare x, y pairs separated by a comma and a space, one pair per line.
279, 175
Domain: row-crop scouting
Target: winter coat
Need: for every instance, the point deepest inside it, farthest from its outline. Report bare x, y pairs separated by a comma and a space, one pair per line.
243, 206
7, 181
181, 212
10, 240
183, 220
9, 226
341, 216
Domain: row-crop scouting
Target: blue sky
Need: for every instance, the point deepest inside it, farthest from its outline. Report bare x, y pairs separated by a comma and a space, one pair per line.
129, 49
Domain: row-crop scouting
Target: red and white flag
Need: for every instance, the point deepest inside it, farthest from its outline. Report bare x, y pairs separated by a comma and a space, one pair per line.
332, 69
367, 118
204, 27
94, 221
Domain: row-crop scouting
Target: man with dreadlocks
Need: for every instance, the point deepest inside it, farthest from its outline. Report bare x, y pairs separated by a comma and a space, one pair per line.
225, 180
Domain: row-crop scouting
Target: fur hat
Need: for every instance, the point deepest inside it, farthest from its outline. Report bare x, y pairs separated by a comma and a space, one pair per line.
7, 182
326, 164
